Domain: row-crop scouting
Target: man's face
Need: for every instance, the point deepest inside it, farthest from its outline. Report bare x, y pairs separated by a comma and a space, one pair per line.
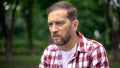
60, 26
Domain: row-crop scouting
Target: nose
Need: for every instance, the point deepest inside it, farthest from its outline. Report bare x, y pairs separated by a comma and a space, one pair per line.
54, 28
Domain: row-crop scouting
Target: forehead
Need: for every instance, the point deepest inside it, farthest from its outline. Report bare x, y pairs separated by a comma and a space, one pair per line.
58, 14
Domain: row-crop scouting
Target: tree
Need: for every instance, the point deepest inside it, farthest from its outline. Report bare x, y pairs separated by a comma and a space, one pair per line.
28, 17
113, 19
7, 32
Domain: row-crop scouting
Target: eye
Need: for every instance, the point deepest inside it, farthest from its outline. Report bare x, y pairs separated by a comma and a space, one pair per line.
60, 23
49, 24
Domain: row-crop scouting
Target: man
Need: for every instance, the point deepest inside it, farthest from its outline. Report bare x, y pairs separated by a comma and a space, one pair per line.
70, 49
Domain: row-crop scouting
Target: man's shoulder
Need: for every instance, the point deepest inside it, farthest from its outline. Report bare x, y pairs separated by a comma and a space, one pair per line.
52, 47
87, 44
93, 43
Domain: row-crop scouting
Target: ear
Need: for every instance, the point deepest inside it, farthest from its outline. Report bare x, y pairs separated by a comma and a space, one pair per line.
75, 24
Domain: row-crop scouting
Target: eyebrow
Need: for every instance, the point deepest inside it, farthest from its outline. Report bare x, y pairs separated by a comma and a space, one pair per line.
56, 21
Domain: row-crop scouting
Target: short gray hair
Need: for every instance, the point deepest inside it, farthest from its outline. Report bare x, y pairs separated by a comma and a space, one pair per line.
71, 10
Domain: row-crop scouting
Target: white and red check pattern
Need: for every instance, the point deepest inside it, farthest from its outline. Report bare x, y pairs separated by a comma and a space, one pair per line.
89, 54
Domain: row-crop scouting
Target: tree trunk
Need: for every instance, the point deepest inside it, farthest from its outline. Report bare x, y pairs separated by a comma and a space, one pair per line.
116, 49
27, 10
9, 55
116, 46
7, 38
8, 32
29, 31
114, 34
30, 27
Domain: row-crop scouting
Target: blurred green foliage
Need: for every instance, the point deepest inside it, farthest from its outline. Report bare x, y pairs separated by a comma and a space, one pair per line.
21, 47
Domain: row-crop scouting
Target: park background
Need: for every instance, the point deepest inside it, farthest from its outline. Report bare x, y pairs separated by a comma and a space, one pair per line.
24, 30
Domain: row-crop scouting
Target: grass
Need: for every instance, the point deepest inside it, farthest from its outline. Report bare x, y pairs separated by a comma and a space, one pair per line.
113, 64
26, 61
23, 61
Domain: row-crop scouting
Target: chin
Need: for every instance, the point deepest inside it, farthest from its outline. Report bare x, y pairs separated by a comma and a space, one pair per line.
59, 43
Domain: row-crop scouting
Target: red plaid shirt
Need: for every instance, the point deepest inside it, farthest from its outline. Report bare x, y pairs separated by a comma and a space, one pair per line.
89, 54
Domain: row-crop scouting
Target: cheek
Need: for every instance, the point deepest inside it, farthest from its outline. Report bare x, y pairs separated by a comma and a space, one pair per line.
66, 30
50, 31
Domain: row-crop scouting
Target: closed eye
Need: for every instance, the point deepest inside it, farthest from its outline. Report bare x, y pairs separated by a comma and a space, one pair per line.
60, 23
49, 24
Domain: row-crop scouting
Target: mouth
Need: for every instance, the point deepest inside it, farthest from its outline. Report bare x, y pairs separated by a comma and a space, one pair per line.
56, 37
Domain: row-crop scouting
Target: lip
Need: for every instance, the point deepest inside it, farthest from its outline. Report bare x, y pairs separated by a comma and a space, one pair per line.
56, 37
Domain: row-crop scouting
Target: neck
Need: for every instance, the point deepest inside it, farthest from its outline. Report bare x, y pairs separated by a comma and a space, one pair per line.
71, 43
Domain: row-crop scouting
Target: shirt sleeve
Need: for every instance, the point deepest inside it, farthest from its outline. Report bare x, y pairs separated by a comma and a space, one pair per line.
99, 58
43, 61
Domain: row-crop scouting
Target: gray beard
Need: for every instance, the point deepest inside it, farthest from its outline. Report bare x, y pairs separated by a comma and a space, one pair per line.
64, 41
